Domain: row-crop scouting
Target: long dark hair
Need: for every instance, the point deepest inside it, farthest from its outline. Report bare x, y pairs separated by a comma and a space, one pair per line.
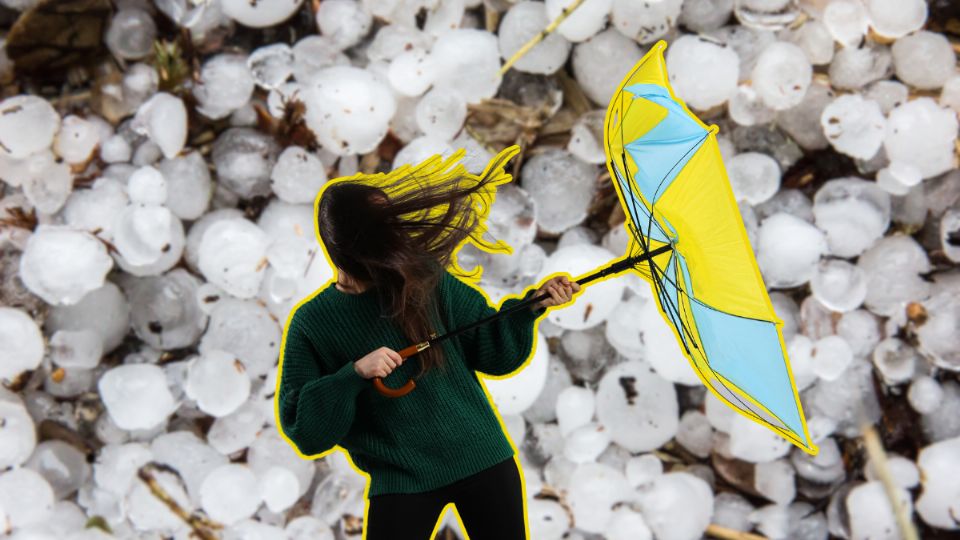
398, 232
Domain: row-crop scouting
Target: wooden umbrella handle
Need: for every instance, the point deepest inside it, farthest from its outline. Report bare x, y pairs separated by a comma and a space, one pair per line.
407, 386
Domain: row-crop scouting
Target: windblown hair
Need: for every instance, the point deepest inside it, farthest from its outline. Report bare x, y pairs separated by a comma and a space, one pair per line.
396, 232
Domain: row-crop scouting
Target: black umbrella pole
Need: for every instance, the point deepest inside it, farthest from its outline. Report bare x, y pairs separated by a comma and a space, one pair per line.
612, 269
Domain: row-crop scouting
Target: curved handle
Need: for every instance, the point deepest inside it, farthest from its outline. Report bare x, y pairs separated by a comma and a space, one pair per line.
407, 386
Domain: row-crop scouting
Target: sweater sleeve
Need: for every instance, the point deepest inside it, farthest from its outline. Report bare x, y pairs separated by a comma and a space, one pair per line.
316, 408
498, 347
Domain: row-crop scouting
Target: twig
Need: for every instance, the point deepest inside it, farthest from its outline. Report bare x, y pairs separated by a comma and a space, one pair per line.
539, 37
725, 533
878, 457
198, 524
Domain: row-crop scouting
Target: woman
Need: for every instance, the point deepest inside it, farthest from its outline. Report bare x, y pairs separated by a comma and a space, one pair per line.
391, 239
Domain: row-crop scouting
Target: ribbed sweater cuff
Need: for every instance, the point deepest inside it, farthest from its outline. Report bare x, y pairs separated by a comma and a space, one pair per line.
352, 381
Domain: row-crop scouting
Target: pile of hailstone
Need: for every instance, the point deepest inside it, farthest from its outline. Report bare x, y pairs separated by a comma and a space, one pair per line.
142, 307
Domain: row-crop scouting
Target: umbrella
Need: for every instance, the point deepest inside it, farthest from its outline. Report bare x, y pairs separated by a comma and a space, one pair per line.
670, 178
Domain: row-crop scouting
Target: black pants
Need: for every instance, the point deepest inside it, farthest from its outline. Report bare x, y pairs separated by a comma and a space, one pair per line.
490, 505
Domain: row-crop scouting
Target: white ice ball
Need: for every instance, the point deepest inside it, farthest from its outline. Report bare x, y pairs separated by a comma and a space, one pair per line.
702, 73
22, 341
61, 264
261, 13
348, 109
782, 75
517, 391
522, 22
136, 396
27, 125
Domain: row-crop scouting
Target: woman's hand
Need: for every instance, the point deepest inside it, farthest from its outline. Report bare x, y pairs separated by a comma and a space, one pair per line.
378, 363
561, 290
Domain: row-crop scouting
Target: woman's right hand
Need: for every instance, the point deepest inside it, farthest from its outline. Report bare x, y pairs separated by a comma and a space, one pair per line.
378, 363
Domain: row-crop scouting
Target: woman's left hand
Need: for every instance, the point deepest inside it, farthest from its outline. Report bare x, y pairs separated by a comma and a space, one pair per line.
561, 289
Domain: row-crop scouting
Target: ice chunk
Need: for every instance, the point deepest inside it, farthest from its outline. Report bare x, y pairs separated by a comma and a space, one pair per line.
521, 23
854, 126
230, 493
904, 472
871, 515
313, 53
261, 13
218, 382
562, 187
348, 109
846, 20
888, 94
938, 503
467, 61
892, 266
594, 488
412, 72
131, 33
755, 177
802, 122
750, 441
950, 94
61, 263
775, 481
815, 39
831, 356
662, 349
440, 114
896, 18
782, 75
938, 335
935, 125
298, 176
147, 186
638, 407
27, 125
702, 73
586, 138
584, 22
645, 22
625, 524
898, 178
788, 250
895, 360
677, 506
747, 109
136, 396
76, 140
46, 181
547, 519
225, 85
345, 22
244, 159
861, 329
855, 67
949, 233
600, 63
271, 65
624, 328
695, 433
924, 60
188, 185
23, 342
164, 119
586, 443
849, 400
574, 408
705, 15
76, 348
643, 469
853, 213
231, 256
839, 285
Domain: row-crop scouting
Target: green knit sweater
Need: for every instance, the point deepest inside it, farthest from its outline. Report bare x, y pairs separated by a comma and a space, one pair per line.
441, 432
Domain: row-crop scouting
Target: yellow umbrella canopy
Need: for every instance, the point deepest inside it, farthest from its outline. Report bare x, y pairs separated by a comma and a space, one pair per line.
669, 175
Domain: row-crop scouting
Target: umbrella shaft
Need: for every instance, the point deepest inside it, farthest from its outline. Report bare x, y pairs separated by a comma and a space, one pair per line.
615, 268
